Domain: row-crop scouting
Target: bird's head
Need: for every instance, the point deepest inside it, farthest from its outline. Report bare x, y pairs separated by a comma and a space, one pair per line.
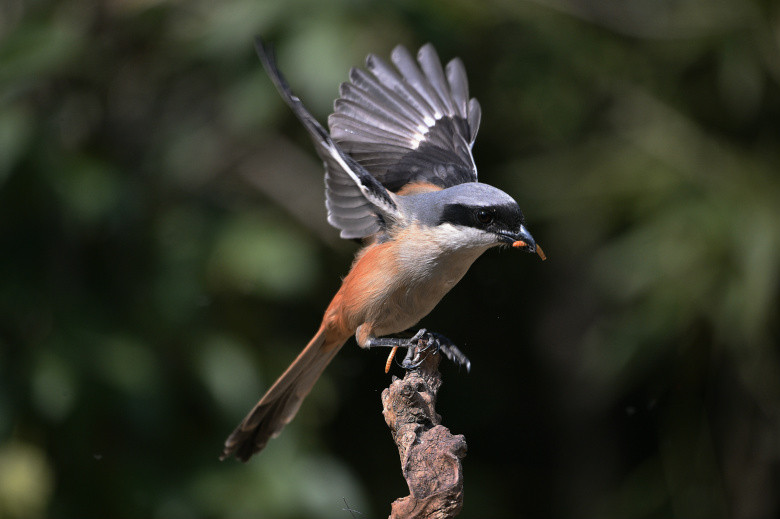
472, 216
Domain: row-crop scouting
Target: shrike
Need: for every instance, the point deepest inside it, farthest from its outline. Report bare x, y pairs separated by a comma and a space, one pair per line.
399, 174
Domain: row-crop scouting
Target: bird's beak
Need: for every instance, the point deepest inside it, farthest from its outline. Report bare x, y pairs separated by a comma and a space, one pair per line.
523, 240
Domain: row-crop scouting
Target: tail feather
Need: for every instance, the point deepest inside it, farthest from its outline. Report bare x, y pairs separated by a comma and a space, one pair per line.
281, 402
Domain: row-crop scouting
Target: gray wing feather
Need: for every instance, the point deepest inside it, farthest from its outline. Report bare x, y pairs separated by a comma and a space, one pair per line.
459, 88
357, 202
410, 70
410, 121
475, 114
370, 90
431, 67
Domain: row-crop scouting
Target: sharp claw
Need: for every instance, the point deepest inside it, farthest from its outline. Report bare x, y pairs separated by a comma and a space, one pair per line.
417, 336
411, 365
408, 362
430, 341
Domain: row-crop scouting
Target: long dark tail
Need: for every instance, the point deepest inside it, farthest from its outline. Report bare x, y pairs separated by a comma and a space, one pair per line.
280, 403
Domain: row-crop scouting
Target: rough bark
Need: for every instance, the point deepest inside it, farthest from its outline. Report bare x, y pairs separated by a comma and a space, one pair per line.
430, 455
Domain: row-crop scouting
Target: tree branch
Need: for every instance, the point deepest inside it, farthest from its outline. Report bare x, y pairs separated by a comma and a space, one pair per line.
430, 454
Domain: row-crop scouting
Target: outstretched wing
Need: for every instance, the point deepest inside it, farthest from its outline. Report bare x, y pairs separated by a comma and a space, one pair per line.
411, 123
357, 203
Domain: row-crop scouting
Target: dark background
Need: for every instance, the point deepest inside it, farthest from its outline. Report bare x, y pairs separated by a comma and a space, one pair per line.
164, 254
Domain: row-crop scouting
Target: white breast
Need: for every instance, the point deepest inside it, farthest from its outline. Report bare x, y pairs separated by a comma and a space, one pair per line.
430, 266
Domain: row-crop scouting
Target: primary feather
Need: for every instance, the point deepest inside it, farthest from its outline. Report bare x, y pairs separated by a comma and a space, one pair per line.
411, 122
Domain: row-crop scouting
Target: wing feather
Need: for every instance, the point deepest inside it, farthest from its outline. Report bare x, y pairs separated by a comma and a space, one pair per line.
357, 202
411, 121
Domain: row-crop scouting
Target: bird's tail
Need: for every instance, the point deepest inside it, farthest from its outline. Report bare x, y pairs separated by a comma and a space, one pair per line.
280, 403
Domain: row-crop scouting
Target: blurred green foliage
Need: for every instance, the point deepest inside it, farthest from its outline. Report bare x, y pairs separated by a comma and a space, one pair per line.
164, 254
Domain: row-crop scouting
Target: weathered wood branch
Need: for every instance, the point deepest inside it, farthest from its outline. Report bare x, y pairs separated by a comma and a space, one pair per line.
430, 454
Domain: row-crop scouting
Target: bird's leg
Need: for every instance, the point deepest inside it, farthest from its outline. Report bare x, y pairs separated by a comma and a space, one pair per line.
419, 343
395, 342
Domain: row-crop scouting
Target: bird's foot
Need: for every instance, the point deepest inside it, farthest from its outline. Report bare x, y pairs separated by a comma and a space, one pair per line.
420, 344
425, 341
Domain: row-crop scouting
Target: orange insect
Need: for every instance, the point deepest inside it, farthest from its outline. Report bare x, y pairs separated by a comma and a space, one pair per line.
539, 251
390, 358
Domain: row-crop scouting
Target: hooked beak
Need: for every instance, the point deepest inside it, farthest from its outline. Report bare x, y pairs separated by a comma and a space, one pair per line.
522, 240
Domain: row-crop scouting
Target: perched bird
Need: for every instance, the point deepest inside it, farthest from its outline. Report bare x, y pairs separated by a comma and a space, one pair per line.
399, 174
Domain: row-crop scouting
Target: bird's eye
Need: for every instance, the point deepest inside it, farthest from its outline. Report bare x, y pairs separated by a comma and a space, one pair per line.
484, 216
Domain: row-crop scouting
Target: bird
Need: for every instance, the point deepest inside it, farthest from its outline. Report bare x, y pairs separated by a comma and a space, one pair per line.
399, 176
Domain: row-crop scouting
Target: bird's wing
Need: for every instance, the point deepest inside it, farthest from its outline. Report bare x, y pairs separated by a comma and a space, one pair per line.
410, 123
357, 202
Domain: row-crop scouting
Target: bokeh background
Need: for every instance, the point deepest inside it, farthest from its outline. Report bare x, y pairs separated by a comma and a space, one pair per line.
164, 254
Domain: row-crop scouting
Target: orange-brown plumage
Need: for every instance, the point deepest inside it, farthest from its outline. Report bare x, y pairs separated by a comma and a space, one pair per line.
379, 296
348, 310
413, 188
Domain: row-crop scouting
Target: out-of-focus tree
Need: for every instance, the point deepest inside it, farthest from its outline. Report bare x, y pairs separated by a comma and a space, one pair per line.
164, 254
